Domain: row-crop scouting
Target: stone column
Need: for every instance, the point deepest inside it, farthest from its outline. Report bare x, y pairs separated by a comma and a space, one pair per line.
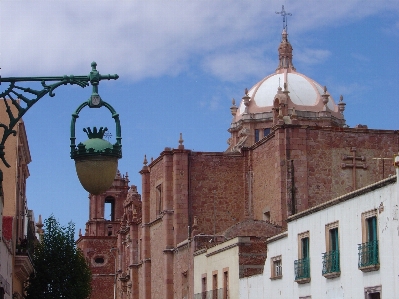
167, 223
146, 245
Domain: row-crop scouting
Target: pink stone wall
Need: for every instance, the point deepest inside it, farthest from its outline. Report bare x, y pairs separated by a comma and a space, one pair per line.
266, 180
103, 280
325, 152
217, 190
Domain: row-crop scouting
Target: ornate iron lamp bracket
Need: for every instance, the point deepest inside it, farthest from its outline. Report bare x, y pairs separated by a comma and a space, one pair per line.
23, 98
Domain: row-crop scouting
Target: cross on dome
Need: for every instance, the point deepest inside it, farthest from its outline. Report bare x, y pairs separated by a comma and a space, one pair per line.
284, 14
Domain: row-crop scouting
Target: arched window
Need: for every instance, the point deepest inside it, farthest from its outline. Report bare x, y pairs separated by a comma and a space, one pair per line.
109, 208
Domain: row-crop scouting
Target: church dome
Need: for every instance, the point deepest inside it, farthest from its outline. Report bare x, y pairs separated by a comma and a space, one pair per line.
305, 95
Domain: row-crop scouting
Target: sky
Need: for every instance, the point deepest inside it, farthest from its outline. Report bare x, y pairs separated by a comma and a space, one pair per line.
180, 64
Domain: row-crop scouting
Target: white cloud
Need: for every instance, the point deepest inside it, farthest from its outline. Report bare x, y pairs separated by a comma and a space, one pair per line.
360, 57
140, 39
312, 56
239, 65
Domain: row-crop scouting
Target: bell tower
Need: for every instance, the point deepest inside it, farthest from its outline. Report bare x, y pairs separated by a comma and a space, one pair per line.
99, 243
106, 209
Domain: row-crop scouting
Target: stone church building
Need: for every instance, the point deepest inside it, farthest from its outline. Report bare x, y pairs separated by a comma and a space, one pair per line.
290, 149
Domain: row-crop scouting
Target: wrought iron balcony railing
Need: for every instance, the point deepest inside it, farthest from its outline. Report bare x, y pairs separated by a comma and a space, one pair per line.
331, 263
368, 255
214, 294
302, 269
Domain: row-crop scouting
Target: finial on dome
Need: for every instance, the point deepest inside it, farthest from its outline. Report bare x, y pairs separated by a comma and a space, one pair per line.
341, 105
325, 97
284, 14
181, 146
246, 98
285, 53
233, 108
294, 117
39, 226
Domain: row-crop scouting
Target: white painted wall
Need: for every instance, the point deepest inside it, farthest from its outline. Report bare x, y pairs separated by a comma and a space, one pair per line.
352, 281
227, 256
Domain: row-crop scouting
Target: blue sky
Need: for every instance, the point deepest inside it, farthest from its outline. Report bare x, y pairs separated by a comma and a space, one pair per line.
180, 64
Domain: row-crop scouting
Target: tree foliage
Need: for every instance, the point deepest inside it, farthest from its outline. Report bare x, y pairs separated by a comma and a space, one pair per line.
60, 267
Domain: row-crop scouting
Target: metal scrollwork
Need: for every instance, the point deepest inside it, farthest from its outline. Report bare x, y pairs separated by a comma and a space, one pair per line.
23, 98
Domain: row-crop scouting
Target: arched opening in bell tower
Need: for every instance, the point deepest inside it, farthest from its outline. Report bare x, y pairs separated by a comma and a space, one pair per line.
109, 208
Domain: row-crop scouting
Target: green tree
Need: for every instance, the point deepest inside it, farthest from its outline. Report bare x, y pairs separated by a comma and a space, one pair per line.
61, 270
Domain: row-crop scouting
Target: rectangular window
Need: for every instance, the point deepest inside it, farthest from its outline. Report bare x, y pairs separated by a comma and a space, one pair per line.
226, 283
266, 132
302, 265
159, 206
256, 135
204, 287
277, 267
368, 250
215, 284
331, 263
372, 292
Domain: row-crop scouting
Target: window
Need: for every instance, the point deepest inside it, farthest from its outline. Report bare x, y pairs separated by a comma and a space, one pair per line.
266, 216
204, 287
109, 227
331, 265
256, 135
159, 206
368, 250
226, 283
109, 208
266, 132
215, 284
302, 265
372, 292
277, 267
99, 261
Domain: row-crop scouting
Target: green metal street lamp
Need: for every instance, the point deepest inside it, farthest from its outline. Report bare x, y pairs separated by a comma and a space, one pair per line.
96, 159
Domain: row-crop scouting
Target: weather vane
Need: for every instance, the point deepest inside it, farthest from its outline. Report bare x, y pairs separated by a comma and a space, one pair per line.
284, 14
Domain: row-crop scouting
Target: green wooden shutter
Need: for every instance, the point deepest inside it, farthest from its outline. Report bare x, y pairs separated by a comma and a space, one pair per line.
372, 229
305, 248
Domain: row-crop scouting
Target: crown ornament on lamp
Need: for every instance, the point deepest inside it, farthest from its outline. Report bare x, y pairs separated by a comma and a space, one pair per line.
96, 159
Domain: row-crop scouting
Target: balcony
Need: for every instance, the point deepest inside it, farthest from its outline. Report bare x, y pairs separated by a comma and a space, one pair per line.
368, 256
23, 266
214, 294
331, 267
302, 270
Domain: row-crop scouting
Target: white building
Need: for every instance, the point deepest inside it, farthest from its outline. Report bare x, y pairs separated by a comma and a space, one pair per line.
344, 248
